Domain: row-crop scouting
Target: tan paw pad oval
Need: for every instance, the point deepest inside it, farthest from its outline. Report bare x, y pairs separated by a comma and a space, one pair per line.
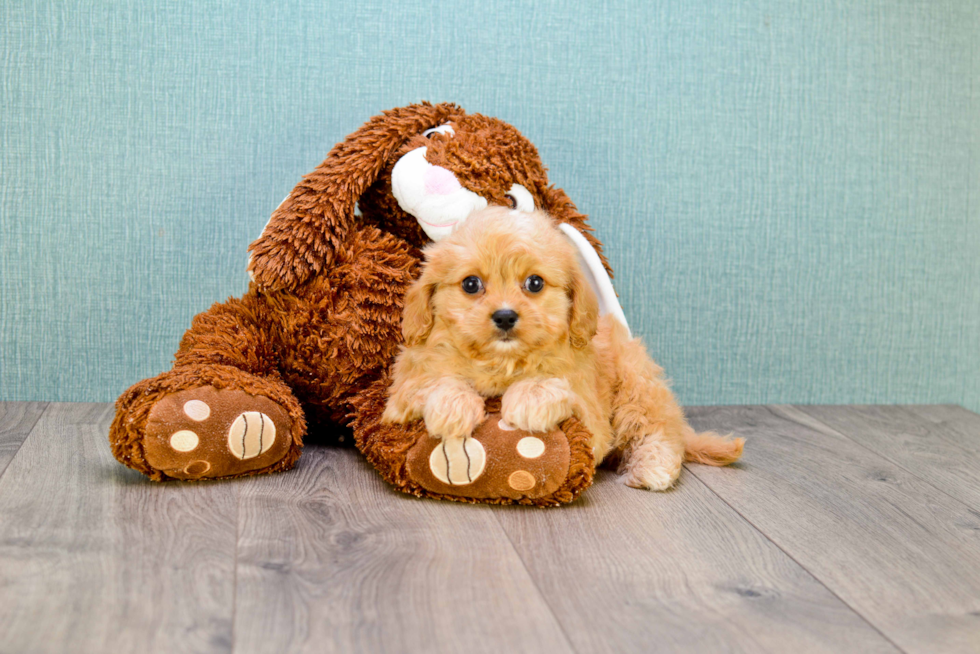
197, 410
197, 468
184, 440
521, 480
251, 434
530, 447
458, 461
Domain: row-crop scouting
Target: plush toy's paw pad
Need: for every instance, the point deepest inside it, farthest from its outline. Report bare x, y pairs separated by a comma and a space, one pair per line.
458, 461
203, 433
497, 461
251, 434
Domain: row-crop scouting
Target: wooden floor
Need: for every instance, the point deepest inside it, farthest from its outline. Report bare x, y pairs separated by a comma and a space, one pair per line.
844, 529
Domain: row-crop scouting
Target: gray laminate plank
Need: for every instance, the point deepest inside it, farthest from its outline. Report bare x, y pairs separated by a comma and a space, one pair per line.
900, 552
16, 421
96, 558
634, 571
331, 560
938, 444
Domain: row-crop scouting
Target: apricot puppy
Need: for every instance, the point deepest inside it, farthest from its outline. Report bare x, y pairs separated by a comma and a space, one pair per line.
502, 308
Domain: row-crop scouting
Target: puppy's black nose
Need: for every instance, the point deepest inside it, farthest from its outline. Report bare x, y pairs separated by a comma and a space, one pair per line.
504, 319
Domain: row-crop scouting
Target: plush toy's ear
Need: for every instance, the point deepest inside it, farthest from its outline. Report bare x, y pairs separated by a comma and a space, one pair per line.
418, 318
306, 230
560, 207
583, 317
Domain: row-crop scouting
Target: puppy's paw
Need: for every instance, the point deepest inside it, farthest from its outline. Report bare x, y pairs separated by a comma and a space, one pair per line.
453, 409
398, 411
652, 464
537, 404
649, 479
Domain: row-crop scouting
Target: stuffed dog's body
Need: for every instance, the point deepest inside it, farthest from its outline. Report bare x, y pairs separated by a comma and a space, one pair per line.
502, 308
312, 340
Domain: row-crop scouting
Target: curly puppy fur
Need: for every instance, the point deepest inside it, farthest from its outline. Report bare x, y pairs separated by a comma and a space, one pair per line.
549, 354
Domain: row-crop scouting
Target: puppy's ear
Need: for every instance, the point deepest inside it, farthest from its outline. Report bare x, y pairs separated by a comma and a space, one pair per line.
305, 232
418, 318
584, 315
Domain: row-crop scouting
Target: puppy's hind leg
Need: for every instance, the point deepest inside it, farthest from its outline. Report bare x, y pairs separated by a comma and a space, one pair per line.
651, 462
648, 424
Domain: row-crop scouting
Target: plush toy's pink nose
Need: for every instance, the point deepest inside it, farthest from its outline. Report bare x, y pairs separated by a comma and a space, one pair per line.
440, 181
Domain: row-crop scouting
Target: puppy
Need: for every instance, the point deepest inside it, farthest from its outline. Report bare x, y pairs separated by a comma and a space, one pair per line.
502, 308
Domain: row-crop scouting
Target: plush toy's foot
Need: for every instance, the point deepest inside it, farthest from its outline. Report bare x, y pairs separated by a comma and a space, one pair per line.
498, 464
237, 425
204, 432
498, 461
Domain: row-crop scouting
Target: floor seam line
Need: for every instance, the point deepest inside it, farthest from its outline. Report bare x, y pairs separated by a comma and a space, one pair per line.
882, 456
530, 577
30, 431
234, 583
812, 574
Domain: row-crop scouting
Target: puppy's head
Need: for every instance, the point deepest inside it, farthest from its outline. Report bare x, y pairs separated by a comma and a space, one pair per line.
504, 284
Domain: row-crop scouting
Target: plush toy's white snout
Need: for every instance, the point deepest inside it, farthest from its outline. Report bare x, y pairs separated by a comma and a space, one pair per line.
436, 199
439, 181
432, 194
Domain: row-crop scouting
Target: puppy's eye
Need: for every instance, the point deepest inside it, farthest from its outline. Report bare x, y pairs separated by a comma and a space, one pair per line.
533, 284
472, 285
512, 200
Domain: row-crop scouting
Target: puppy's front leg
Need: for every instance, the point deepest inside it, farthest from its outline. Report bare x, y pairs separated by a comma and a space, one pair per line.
539, 404
407, 395
452, 409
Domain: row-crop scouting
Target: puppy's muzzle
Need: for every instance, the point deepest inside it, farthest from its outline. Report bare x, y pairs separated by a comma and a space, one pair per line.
504, 319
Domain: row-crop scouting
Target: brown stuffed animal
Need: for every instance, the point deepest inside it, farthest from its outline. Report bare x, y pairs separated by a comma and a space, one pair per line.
312, 340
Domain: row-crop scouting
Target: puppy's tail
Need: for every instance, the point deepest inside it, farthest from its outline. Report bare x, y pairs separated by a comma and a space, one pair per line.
711, 449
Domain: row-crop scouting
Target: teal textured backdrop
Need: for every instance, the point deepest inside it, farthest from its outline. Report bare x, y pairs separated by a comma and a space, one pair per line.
789, 192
